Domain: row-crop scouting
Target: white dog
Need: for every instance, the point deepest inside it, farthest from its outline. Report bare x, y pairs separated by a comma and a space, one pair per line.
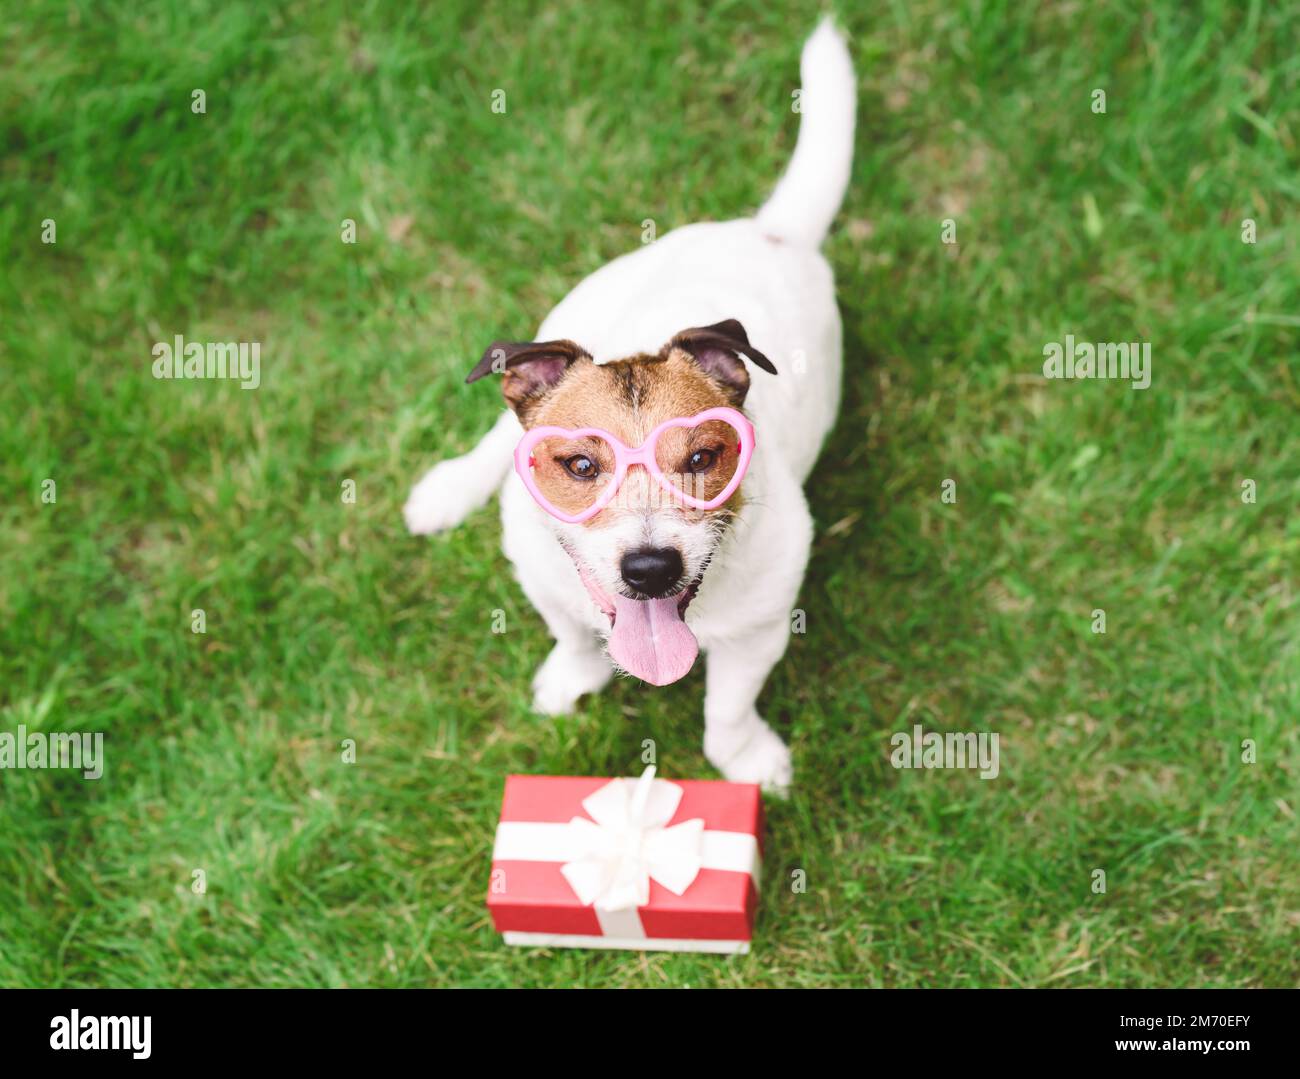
665, 333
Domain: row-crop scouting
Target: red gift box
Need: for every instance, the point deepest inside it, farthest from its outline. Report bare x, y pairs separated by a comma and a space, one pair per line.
589, 862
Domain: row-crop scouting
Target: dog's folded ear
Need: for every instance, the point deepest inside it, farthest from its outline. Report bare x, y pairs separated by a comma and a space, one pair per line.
718, 350
527, 368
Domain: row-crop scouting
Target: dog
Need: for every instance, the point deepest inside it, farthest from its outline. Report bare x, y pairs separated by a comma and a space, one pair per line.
736, 320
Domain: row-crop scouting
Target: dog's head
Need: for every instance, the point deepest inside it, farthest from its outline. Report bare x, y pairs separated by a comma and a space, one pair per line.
643, 556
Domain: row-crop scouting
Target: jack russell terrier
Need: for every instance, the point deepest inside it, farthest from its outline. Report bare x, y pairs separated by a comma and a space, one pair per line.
625, 514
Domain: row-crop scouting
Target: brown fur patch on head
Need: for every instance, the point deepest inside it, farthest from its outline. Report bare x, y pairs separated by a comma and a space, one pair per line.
629, 399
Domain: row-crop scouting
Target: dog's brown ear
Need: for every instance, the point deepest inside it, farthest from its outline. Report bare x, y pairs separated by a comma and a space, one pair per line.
718, 350
527, 368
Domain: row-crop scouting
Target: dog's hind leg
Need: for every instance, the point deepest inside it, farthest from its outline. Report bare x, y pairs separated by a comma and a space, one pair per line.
451, 490
736, 739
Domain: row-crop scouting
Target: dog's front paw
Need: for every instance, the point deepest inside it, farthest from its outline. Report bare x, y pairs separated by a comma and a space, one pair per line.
565, 676
444, 497
763, 759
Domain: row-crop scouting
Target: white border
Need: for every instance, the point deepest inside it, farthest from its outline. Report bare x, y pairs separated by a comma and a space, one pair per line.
638, 944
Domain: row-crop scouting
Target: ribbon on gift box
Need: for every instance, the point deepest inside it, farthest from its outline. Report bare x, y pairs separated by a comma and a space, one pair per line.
610, 859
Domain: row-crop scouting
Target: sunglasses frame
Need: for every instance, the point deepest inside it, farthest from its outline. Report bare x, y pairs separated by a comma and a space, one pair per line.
643, 455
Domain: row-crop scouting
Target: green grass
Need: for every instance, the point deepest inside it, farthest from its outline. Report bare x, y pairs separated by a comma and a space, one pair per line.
325, 621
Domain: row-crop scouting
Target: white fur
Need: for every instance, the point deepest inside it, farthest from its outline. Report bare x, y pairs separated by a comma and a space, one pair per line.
767, 273
804, 202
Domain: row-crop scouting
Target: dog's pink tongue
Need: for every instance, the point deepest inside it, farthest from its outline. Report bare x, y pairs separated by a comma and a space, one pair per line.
651, 641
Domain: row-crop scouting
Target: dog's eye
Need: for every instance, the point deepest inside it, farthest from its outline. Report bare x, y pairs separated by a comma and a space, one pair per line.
580, 467
701, 461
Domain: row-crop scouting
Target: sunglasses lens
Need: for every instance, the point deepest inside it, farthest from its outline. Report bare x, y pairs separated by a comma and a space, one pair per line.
699, 461
572, 473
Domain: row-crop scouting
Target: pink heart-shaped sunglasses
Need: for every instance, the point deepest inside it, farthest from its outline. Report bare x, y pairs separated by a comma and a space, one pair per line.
604, 489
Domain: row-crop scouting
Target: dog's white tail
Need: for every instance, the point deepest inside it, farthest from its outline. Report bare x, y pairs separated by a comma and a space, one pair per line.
805, 201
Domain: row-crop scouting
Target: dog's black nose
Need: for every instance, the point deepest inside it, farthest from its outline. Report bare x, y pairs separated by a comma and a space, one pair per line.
652, 572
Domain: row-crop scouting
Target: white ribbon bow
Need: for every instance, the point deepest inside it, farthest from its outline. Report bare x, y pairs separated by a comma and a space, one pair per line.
628, 844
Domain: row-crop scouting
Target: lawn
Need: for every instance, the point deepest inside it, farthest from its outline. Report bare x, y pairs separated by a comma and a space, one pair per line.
324, 621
